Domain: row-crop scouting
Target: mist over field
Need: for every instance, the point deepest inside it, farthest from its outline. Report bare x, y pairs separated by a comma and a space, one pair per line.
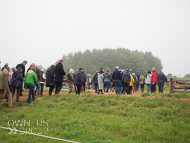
41, 32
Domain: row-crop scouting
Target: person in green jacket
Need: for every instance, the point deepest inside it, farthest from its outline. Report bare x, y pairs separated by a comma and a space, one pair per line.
31, 80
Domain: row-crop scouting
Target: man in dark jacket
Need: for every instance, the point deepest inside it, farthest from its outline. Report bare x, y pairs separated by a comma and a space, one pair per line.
161, 80
59, 74
83, 80
6, 65
22, 65
78, 80
38, 75
95, 79
117, 77
126, 80
138, 77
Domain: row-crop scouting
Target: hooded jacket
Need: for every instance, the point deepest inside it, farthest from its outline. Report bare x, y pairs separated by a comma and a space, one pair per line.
17, 79
96, 78
154, 77
132, 81
78, 78
31, 78
107, 77
4, 80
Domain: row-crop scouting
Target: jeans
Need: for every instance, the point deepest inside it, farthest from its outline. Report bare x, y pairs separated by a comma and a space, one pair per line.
58, 87
108, 85
153, 87
117, 86
31, 92
148, 88
89, 86
137, 86
39, 87
78, 88
18, 92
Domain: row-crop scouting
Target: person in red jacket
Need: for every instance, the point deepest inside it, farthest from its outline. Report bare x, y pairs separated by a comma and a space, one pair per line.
153, 80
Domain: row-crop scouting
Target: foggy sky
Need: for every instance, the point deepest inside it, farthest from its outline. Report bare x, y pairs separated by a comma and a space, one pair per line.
41, 31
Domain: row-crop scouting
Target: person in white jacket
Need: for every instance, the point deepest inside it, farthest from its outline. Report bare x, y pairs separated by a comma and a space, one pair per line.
147, 80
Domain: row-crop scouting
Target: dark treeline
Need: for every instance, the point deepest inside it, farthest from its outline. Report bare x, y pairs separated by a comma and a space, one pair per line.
91, 61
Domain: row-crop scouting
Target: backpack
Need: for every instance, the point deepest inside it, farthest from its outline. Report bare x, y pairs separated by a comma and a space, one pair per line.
68, 77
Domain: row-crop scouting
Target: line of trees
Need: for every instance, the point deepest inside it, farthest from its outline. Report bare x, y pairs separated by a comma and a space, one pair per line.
91, 61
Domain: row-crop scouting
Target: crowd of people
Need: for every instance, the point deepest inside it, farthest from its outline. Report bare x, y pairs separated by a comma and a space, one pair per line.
122, 81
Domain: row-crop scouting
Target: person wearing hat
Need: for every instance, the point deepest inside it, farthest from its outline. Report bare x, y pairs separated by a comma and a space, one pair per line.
78, 80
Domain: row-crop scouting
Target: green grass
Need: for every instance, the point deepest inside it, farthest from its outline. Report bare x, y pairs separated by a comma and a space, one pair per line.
100, 119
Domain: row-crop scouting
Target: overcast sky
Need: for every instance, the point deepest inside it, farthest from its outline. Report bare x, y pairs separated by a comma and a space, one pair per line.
41, 31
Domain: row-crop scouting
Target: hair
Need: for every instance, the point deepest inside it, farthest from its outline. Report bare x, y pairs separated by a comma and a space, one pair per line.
6, 64
117, 67
141, 75
71, 71
13, 69
133, 73
101, 68
127, 70
24, 61
52, 67
60, 60
34, 69
19, 69
154, 68
137, 71
32, 65
149, 72
7, 68
108, 69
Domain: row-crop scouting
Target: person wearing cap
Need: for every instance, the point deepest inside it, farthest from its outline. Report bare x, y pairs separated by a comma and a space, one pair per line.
161, 80
59, 75
117, 77
78, 80
42, 80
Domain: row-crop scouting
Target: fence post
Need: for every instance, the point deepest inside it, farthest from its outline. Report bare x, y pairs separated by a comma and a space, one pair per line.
171, 84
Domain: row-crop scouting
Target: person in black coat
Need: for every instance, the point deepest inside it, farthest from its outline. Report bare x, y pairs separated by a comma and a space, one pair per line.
22, 65
160, 81
6, 65
83, 80
59, 74
78, 80
96, 81
126, 78
50, 75
16, 82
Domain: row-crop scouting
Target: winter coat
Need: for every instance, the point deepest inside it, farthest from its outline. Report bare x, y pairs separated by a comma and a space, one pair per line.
154, 77
17, 79
126, 77
83, 78
147, 80
38, 73
31, 78
107, 77
100, 81
59, 72
132, 81
23, 69
142, 80
4, 80
138, 76
50, 75
135, 79
42, 77
117, 75
10, 76
96, 78
161, 78
78, 78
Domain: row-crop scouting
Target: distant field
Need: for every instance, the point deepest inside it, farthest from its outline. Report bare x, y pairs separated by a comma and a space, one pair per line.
100, 119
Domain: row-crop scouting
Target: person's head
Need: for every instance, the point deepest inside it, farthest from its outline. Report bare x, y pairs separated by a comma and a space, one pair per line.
161, 71
149, 72
24, 62
101, 69
141, 75
71, 71
33, 69
81, 69
108, 70
41, 69
7, 68
52, 67
6, 64
127, 70
36, 66
137, 72
13, 69
19, 69
117, 68
133, 73
61, 61
32, 65
153, 69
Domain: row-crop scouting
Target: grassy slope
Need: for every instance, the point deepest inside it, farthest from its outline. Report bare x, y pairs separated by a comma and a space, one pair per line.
102, 119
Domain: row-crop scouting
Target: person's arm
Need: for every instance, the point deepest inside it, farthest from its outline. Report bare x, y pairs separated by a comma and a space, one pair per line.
62, 71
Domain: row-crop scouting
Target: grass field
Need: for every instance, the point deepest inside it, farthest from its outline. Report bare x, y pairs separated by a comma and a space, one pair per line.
97, 119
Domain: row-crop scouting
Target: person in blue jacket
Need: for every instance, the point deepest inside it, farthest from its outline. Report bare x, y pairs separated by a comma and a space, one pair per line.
138, 78
117, 77
78, 80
